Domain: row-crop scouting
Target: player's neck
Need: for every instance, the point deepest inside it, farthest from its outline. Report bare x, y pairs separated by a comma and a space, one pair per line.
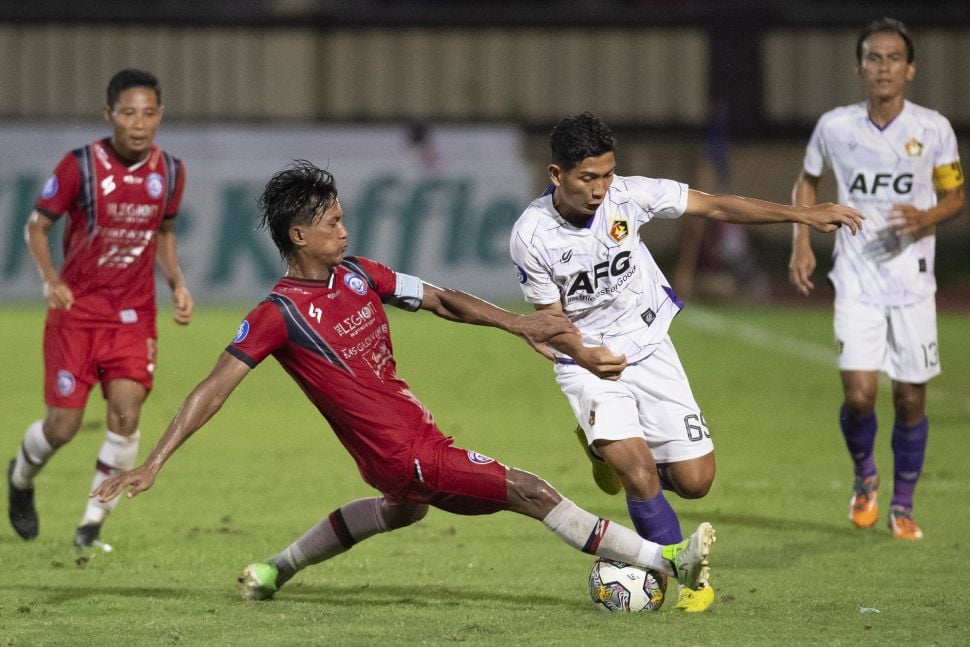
128, 158
883, 111
300, 269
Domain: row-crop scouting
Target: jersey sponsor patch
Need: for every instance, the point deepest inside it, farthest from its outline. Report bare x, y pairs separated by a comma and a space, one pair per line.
50, 188
523, 277
355, 283
155, 185
65, 383
242, 332
480, 459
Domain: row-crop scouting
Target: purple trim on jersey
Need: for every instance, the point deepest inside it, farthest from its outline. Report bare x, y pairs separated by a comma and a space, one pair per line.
172, 167
549, 190
673, 296
88, 190
882, 128
301, 333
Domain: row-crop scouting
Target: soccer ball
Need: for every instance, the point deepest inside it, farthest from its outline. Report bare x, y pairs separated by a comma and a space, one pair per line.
615, 586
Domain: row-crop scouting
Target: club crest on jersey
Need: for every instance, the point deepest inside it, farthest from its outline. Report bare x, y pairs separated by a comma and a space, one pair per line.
355, 283
242, 332
480, 459
154, 185
914, 147
523, 277
50, 188
619, 230
65, 383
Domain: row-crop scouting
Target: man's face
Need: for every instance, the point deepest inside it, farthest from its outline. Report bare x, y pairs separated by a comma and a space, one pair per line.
884, 68
581, 189
134, 117
325, 237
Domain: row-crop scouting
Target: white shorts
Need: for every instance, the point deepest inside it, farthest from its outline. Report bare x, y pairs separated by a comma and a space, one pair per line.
901, 341
651, 400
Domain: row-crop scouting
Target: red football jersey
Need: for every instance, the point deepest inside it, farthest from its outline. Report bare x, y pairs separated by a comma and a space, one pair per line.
114, 213
333, 338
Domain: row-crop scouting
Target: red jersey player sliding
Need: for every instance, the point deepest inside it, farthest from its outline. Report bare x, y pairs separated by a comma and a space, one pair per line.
325, 323
121, 195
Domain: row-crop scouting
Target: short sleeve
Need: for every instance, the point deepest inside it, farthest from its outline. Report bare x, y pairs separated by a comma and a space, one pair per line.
61, 189
816, 155
658, 198
261, 332
534, 277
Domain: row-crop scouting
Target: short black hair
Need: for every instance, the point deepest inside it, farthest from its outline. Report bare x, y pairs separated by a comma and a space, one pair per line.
295, 196
131, 78
577, 137
886, 26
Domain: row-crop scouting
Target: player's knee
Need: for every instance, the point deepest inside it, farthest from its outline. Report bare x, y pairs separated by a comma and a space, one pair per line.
402, 516
531, 495
859, 401
60, 428
909, 407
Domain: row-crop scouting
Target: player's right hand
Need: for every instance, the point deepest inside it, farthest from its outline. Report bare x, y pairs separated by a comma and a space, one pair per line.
58, 295
800, 268
601, 362
138, 479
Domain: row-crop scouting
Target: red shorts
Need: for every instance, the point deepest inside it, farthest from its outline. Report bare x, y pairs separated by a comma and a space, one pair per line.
75, 359
454, 479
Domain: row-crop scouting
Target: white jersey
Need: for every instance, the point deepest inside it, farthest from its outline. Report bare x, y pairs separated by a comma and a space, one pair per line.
876, 168
608, 283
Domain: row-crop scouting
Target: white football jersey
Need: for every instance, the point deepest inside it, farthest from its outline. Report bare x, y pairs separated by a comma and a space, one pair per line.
605, 278
876, 168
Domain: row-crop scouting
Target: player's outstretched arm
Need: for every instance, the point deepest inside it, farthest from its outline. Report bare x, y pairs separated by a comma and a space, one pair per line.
462, 307
825, 217
200, 405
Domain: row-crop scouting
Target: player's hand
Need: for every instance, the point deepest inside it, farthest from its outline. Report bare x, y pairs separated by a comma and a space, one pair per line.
182, 299
138, 479
800, 268
907, 219
601, 362
58, 295
828, 217
542, 325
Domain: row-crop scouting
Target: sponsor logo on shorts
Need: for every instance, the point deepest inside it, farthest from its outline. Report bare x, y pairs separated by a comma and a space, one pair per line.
154, 185
50, 188
242, 333
523, 277
481, 459
65, 383
355, 283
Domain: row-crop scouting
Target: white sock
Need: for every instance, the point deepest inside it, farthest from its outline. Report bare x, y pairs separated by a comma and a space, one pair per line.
601, 537
348, 525
118, 453
34, 453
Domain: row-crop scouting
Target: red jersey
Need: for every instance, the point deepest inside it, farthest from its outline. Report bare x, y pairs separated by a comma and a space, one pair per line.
114, 213
333, 338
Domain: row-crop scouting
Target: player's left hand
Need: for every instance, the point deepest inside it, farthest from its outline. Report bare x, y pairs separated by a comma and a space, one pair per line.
907, 219
183, 302
139, 479
829, 216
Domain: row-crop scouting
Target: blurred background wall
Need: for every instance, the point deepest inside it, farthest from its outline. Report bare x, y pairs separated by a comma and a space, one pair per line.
722, 95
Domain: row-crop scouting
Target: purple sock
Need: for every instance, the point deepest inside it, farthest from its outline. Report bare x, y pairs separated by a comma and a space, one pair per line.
655, 520
909, 449
860, 437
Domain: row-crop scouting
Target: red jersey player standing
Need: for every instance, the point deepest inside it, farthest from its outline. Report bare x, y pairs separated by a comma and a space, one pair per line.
121, 195
325, 323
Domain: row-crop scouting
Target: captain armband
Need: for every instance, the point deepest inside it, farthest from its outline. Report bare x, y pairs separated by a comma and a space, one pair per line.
948, 176
408, 292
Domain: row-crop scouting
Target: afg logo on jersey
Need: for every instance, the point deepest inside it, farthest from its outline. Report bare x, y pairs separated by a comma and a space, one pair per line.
619, 230
50, 188
914, 147
65, 383
242, 332
479, 459
355, 283
154, 186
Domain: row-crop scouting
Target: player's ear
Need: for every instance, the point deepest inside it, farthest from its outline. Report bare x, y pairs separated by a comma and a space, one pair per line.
297, 236
910, 71
106, 111
555, 174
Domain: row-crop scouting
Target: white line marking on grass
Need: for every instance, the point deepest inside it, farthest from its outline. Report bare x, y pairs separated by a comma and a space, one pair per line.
760, 337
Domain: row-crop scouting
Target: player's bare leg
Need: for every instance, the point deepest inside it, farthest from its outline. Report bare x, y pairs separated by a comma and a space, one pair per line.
41, 440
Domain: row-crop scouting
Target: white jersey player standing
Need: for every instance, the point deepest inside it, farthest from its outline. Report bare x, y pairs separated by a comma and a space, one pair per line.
897, 162
577, 248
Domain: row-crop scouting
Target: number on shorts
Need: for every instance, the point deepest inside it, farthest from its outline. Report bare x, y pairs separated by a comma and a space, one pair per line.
931, 354
696, 427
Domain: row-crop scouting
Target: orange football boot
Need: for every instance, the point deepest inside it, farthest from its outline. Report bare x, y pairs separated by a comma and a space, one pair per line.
864, 508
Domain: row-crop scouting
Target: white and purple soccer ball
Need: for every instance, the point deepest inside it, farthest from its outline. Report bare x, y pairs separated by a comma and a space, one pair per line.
618, 587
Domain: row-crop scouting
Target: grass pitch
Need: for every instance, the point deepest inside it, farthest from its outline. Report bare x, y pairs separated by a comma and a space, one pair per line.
788, 567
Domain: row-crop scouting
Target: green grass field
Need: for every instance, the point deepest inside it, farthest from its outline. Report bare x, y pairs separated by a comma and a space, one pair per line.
788, 567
